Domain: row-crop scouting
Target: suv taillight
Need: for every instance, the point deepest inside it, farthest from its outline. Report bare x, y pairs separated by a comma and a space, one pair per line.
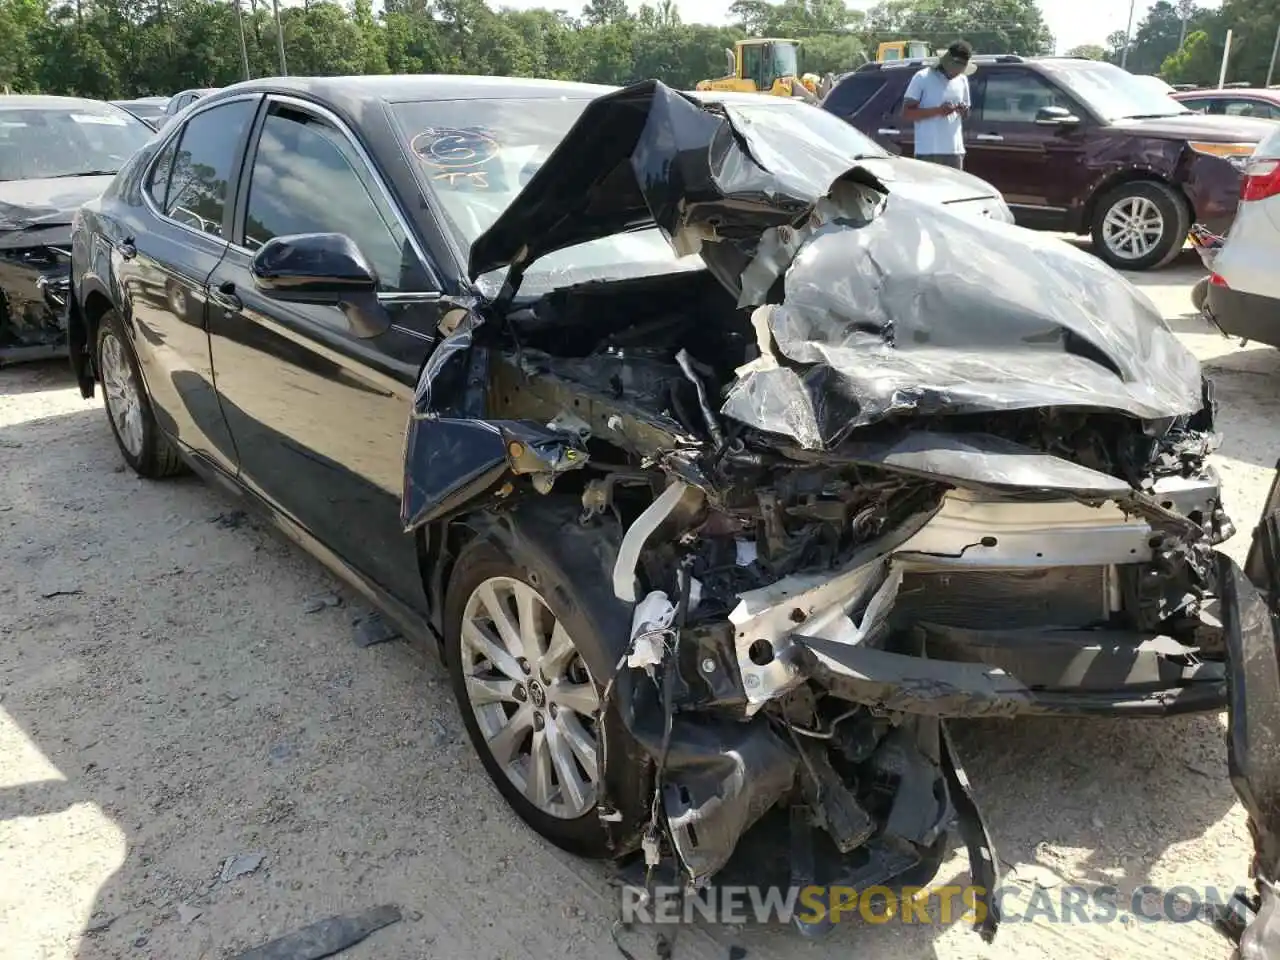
1261, 180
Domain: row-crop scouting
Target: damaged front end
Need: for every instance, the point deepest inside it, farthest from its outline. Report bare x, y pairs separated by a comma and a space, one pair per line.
880, 465
35, 282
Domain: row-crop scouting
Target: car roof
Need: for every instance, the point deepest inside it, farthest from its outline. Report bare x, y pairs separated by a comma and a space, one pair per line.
407, 88
1265, 93
26, 101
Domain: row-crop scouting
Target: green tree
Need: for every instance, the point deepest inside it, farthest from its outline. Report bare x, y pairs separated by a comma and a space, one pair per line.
602, 13
1159, 33
991, 26
1088, 51
1196, 62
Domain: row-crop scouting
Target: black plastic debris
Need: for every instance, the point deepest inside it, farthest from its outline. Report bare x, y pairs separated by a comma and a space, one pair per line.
372, 628
325, 937
316, 603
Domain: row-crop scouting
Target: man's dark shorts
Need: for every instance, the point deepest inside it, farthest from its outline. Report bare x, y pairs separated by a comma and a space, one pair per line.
945, 159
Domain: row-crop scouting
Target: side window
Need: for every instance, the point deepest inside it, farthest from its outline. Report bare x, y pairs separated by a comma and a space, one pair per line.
753, 63
1016, 96
1197, 106
208, 154
308, 178
854, 93
1248, 108
158, 182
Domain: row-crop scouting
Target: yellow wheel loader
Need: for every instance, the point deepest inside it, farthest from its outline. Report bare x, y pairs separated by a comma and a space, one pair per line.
894, 50
767, 65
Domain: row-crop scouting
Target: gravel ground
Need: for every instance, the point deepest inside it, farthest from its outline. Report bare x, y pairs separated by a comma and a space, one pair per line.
167, 702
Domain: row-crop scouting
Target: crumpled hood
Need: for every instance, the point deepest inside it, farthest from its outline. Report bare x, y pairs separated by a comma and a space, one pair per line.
876, 303
927, 181
29, 203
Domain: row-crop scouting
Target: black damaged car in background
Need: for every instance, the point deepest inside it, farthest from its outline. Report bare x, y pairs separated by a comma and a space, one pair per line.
722, 460
55, 153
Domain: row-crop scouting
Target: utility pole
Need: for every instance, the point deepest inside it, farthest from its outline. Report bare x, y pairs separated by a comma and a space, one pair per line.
244, 49
1128, 37
1226, 57
284, 71
1275, 49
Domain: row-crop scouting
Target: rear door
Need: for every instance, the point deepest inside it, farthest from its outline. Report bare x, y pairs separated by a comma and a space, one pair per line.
163, 261
1038, 168
866, 101
318, 414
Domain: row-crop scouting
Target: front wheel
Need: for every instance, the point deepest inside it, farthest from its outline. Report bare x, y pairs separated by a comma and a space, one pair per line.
528, 700
1140, 225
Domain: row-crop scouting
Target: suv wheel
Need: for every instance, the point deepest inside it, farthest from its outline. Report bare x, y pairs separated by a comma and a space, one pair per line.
1140, 225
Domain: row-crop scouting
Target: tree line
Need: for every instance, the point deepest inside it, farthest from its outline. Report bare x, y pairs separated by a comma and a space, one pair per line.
122, 48
1183, 42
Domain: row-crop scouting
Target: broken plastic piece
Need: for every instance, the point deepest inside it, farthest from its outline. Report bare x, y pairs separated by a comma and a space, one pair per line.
325, 938
650, 628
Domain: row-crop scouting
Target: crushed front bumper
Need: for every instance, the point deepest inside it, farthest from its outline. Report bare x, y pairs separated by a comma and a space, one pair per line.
872, 799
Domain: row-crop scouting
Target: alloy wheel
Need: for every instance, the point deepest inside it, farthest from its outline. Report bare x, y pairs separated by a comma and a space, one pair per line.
124, 404
1133, 228
532, 696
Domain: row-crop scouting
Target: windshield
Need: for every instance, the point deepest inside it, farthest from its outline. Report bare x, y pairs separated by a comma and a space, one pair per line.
78, 141
785, 60
1113, 93
477, 155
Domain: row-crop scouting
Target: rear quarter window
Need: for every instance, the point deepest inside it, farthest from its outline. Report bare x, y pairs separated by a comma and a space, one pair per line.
853, 93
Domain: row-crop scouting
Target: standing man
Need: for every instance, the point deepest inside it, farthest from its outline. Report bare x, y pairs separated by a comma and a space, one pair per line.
937, 102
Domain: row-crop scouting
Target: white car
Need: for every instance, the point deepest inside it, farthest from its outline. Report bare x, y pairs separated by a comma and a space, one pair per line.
1244, 291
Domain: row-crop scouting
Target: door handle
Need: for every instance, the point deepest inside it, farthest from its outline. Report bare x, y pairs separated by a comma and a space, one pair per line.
126, 249
224, 295
990, 138
889, 132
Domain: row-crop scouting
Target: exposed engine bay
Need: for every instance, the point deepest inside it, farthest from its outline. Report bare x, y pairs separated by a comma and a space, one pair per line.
867, 480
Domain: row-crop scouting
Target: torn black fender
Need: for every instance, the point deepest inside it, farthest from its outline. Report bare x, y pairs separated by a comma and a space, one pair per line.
1252, 631
454, 458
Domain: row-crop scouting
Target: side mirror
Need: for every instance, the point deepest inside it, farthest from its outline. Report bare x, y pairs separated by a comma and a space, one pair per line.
322, 268
731, 62
1056, 117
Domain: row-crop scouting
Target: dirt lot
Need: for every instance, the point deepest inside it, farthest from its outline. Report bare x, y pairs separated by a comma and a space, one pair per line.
171, 697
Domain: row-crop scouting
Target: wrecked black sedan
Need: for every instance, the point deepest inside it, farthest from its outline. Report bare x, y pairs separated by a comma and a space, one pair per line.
55, 153
738, 457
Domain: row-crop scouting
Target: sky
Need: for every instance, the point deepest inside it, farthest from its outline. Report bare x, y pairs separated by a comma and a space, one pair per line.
1073, 22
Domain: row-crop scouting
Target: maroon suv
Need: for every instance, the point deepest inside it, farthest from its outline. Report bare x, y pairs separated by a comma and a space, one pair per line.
1078, 146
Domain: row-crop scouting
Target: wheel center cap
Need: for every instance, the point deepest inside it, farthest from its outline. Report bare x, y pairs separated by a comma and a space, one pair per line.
537, 694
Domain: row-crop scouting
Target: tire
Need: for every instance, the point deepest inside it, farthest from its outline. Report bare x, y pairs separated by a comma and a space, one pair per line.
558, 572
1200, 294
1153, 203
133, 423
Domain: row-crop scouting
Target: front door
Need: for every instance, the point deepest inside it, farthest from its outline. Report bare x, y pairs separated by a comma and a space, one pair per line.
1034, 166
319, 415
